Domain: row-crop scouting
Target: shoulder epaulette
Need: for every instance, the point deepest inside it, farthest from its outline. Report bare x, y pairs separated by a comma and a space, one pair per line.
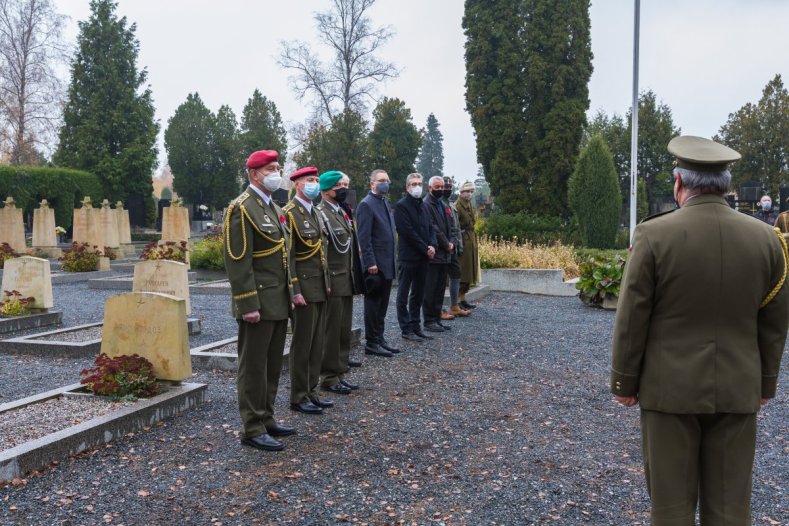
653, 216
240, 199
288, 207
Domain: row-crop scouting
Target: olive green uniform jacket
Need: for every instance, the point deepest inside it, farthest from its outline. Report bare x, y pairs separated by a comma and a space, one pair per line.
469, 262
690, 333
308, 248
339, 250
256, 257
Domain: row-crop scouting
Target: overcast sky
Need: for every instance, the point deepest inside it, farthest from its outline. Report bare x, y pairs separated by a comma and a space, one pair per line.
704, 59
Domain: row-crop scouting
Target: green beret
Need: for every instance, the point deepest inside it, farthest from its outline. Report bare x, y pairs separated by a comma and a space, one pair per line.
700, 154
329, 179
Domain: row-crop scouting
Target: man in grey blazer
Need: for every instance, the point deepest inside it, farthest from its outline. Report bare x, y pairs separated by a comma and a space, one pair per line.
700, 329
376, 228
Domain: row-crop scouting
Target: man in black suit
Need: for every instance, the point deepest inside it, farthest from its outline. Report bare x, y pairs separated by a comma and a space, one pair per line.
438, 267
377, 243
416, 246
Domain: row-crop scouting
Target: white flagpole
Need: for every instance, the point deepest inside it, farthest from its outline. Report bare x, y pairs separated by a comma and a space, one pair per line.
634, 122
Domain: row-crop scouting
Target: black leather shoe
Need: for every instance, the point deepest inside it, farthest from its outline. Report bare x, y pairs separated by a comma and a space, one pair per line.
387, 346
423, 335
377, 351
350, 385
321, 403
354, 363
466, 305
307, 408
280, 430
410, 336
264, 442
433, 327
338, 388
445, 327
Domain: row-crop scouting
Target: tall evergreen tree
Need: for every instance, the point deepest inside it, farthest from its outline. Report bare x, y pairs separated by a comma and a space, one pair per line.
261, 126
593, 195
760, 132
229, 169
528, 64
394, 141
108, 121
431, 155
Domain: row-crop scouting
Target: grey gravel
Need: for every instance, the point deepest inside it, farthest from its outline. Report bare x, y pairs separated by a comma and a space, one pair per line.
504, 420
78, 335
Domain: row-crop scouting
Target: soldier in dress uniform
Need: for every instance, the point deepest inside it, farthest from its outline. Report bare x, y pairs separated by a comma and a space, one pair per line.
469, 261
339, 253
696, 347
311, 291
256, 259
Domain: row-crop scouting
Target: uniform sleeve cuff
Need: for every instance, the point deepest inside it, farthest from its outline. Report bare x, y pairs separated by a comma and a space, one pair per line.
624, 384
769, 386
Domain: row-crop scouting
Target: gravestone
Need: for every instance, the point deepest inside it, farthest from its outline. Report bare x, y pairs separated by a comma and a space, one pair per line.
151, 325
44, 236
124, 230
163, 276
31, 277
12, 226
86, 226
109, 226
175, 223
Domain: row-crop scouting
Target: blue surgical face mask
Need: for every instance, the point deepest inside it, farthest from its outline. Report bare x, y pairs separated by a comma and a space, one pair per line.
766, 205
382, 188
311, 190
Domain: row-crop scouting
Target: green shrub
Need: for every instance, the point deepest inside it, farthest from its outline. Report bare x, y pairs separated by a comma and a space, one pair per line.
522, 227
121, 378
207, 253
62, 188
600, 279
145, 236
6, 252
80, 258
599, 254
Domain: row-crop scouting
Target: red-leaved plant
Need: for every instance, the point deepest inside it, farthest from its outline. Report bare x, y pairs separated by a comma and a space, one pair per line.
170, 250
121, 378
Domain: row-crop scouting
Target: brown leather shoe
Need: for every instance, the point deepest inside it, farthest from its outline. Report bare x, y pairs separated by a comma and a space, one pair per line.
446, 316
457, 311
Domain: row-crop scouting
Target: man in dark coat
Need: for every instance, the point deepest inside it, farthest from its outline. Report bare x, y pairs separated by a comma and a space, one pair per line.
436, 280
695, 346
415, 247
377, 244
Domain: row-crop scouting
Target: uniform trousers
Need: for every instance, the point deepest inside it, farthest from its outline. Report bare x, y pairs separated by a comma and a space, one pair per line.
260, 349
375, 307
410, 294
435, 284
306, 350
705, 459
337, 342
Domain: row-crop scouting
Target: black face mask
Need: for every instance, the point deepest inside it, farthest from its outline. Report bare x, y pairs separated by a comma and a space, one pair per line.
447, 193
340, 194
437, 193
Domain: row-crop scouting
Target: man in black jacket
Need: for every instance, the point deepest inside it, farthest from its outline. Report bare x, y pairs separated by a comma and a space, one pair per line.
436, 280
415, 247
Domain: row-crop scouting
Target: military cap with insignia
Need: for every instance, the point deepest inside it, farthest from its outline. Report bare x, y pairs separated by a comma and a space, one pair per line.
329, 179
261, 158
700, 154
303, 172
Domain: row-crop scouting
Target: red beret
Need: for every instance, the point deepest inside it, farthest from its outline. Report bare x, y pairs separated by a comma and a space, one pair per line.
301, 172
261, 158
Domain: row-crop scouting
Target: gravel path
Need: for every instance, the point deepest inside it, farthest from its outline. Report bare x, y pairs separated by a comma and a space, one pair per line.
505, 420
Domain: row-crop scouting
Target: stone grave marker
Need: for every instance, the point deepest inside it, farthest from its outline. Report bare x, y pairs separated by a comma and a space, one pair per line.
108, 225
86, 226
151, 325
124, 229
44, 236
31, 277
175, 223
12, 226
163, 276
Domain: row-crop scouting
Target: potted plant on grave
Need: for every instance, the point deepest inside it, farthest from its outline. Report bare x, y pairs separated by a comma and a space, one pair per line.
15, 305
124, 377
600, 281
169, 250
6, 252
79, 258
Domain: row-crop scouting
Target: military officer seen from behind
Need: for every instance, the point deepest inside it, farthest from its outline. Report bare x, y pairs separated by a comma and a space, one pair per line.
339, 253
698, 347
256, 259
310, 292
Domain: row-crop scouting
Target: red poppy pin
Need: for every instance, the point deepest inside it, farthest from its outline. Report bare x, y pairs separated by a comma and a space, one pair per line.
346, 217
448, 211
282, 219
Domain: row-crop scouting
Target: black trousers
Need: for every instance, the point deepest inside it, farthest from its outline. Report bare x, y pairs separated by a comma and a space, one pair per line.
435, 285
410, 295
375, 306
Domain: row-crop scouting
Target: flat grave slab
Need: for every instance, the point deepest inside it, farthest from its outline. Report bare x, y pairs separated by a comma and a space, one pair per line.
30, 321
117, 422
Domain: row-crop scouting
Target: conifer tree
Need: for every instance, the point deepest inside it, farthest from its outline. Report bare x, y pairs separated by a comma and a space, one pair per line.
431, 155
394, 142
261, 126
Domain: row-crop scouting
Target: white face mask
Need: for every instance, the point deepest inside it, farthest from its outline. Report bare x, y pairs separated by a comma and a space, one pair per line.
415, 191
272, 181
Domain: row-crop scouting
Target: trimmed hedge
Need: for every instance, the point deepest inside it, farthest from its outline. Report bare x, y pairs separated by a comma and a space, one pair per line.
62, 187
522, 227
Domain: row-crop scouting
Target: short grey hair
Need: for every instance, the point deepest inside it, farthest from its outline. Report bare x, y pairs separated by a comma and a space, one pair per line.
345, 178
411, 177
704, 182
435, 179
374, 173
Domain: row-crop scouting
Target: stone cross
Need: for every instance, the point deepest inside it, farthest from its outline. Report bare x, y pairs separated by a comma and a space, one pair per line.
86, 202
